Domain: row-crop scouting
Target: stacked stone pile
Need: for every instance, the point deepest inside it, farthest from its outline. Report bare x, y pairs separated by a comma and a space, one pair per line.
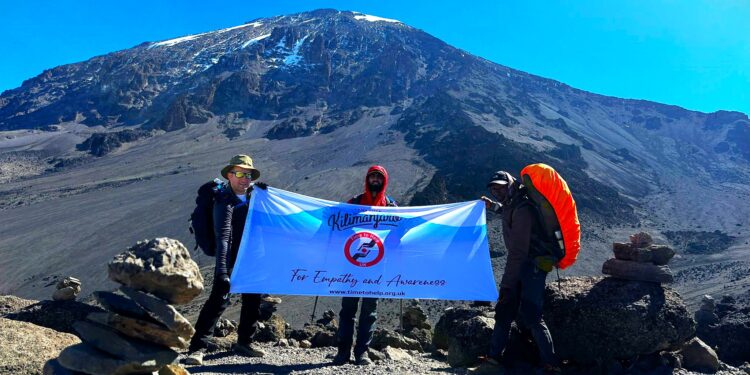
67, 289
640, 260
140, 329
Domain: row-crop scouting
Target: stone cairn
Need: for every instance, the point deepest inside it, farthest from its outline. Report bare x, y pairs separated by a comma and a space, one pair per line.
640, 260
141, 329
67, 289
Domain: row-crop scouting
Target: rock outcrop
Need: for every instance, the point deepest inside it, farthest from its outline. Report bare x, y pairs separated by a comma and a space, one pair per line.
25, 347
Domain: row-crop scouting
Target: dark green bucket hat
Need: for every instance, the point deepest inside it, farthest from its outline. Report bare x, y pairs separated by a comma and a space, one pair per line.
242, 161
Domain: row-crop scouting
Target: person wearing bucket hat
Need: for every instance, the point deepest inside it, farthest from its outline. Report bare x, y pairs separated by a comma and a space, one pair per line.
522, 285
229, 212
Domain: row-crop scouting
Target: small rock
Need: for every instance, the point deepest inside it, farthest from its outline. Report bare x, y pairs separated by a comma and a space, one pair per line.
396, 354
383, 338
641, 239
661, 254
415, 318
271, 299
85, 358
65, 294
122, 305
293, 343
161, 266
162, 312
708, 303
376, 355
635, 271
69, 282
328, 319
323, 339
225, 327
304, 344
698, 356
140, 329
173, 370
626, 251
272, 330
283, 343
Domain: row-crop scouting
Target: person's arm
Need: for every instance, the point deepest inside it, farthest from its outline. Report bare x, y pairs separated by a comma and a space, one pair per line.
492, 205
222, 235
518, 243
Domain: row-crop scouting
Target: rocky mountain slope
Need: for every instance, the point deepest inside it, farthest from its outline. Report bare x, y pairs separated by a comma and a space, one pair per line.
112, 149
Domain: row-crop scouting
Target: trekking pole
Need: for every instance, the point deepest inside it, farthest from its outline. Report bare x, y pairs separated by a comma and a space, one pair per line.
401, 314
315, 306
559, 284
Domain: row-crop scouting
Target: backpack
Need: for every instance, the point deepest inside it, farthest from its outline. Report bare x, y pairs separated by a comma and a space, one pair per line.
556, 210
202, 218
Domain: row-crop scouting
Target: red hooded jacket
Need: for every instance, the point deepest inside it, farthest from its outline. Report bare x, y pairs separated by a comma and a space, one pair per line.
366, 198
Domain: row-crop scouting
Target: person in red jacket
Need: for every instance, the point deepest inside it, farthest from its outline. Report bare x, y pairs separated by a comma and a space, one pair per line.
376, 183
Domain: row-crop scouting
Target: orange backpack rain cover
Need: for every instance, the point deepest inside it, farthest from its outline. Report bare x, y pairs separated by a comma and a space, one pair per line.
549, 183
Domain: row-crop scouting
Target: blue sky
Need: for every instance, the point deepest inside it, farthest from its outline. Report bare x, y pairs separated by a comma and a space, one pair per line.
691, 53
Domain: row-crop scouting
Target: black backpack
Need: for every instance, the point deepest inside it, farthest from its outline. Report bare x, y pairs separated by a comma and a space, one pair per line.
202, 218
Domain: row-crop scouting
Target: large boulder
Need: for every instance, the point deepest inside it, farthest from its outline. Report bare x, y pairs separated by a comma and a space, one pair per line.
25, 347
698, 356
594, 320
162, 267
449, 323
471, 341
729, 334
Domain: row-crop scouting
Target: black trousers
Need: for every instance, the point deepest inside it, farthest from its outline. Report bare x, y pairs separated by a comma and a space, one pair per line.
367, 317
217, 303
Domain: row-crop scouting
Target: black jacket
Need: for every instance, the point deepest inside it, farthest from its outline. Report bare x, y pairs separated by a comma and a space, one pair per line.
522, 234
229, 222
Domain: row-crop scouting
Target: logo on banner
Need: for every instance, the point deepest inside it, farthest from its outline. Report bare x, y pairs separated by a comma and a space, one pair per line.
364, 249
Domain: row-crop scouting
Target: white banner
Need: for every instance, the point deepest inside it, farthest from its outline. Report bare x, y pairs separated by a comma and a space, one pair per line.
294, 244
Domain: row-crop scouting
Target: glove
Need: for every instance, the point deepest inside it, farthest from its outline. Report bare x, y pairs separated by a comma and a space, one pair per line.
222, 282
261, 185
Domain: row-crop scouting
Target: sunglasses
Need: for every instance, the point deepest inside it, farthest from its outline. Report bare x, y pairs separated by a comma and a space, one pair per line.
241, 174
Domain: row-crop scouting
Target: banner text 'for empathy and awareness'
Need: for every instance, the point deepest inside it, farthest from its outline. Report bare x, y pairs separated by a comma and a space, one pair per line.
294, 244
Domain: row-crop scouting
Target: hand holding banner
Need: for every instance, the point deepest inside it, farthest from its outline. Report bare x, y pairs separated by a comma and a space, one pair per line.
294, 244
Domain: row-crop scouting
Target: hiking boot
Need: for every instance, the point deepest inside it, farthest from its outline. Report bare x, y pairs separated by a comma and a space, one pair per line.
341, 358
488, 365
247, 350
363, 360
195, 358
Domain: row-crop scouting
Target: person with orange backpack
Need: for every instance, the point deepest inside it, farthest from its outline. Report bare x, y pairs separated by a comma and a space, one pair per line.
528, 262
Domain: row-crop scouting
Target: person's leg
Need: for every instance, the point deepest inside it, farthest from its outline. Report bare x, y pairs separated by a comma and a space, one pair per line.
506, 311
532, 298
367, 317
346, 329
207, 318
249, 314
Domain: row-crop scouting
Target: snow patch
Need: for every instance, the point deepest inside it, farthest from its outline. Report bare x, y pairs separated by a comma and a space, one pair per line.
369, 18
294, 57
174, 41
255, 40
253, 24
